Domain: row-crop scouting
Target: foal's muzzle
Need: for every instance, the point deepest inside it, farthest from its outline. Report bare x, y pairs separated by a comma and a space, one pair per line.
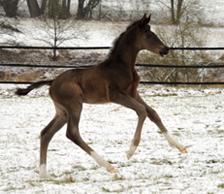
164, 51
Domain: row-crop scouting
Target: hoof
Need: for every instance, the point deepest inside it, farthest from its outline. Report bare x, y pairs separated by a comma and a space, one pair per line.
128, 156
184, 151
45, 176
43, 173
113, 170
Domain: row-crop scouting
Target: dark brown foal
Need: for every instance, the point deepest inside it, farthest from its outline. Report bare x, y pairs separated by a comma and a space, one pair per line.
114, 80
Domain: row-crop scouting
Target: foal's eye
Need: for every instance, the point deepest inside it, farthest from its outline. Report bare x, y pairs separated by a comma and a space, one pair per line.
148, 36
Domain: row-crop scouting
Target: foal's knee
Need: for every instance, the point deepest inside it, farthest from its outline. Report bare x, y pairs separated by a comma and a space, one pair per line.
69, 135
73, 136
142, 112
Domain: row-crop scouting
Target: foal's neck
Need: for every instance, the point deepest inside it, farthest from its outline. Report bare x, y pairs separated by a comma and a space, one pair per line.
126, 52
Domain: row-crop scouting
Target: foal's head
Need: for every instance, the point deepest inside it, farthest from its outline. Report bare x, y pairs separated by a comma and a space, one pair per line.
146, 39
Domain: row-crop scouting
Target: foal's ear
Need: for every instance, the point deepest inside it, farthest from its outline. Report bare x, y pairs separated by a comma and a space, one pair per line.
144, 21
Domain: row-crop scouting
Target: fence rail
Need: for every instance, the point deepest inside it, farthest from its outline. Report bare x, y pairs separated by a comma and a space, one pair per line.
99, 48
86, 66
106, 47
47, 66
55, 48
141, 82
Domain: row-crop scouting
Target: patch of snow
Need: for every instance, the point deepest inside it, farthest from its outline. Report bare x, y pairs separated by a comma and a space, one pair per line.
193, 116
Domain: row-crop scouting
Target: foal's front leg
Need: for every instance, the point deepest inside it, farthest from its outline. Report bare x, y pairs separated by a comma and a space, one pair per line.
153, 116
126, 100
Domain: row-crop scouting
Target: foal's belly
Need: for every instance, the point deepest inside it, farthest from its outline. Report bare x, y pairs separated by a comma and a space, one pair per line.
98, 96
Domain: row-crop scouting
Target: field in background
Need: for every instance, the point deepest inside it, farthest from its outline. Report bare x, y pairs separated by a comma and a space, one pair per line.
103, 34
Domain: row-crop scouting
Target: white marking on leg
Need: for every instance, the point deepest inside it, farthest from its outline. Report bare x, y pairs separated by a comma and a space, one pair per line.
101, 161
43, 171
173, 142
131, 150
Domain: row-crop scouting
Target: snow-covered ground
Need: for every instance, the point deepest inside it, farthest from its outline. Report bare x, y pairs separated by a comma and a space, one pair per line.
194, 116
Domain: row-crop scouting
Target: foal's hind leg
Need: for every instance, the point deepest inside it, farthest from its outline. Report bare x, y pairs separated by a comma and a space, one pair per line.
153, 116
74, 111
46, 135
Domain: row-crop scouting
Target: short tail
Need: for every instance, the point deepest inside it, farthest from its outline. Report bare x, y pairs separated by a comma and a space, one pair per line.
23, 92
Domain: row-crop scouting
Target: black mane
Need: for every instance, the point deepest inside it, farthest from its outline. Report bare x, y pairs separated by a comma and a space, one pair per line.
117, 40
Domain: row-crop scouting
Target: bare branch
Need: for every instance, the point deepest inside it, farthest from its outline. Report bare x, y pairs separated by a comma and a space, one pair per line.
161, 2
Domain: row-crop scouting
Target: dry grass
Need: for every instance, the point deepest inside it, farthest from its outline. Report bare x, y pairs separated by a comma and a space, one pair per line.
43, 58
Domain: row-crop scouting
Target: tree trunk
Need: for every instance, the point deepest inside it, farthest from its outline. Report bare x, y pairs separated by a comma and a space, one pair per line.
53, 8
34, 8
176, 18
80, 14
86, 12
10, 7
43, 6
172, 12
179, 13
65, 10
69, 5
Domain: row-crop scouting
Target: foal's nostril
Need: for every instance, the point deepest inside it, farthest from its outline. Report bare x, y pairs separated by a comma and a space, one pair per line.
165, 50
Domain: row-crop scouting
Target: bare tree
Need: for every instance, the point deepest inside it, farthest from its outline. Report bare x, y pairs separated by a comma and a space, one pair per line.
57, 31
10, 7
179, 9
85, 8
176, 8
